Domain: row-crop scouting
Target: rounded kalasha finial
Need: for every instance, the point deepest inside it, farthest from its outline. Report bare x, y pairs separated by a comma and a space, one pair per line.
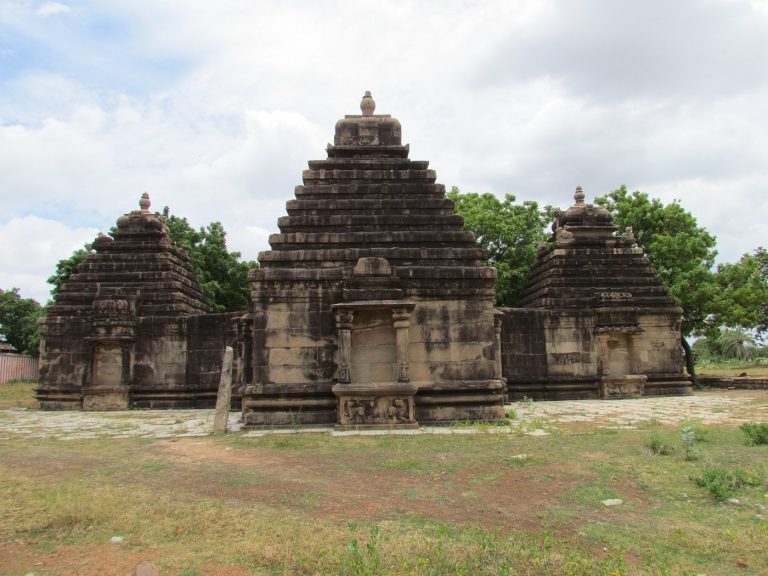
579, 196
367, 105
144, 203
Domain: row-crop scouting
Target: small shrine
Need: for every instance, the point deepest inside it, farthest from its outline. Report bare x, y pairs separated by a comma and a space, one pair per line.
594, 320
125, 330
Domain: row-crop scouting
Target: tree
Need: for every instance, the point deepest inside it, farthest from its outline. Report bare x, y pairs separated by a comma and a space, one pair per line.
65, 268
736, 344
222, 275
742, 295
18, 321
508, 233
682, 252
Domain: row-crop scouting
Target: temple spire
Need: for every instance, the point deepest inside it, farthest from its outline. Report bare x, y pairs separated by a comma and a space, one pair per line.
579, 196
144, 202
367, 104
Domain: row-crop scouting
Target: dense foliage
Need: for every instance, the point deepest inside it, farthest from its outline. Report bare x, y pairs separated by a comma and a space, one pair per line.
221, 273
508, 233
742, 293
66, 267
682, 252
18, 321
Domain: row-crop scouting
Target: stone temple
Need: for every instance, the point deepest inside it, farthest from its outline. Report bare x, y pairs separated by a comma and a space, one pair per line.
373, 309
594, 319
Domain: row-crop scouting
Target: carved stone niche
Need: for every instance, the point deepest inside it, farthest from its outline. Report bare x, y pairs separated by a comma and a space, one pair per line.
107, 386
373, 388
616, 363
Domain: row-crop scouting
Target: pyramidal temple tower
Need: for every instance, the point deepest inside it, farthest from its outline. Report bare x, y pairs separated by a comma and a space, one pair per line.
118, 332
373, 308
594, 320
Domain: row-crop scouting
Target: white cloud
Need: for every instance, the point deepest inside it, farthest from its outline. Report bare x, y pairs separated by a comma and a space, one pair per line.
217, 115
32, 246
50, 8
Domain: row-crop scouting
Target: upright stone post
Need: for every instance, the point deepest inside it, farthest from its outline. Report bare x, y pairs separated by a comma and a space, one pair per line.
224, 397
498, 321
344, 324
402, 322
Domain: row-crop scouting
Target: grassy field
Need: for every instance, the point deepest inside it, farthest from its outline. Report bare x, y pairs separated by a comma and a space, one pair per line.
734, 370
17, 393
315, 504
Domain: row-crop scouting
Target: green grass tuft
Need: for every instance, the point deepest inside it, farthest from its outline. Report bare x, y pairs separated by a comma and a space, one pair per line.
757, 434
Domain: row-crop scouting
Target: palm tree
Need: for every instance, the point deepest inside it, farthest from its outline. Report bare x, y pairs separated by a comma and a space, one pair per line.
737, 343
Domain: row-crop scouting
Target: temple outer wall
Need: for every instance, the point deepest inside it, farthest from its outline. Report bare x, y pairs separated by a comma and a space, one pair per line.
169, 362
559, 355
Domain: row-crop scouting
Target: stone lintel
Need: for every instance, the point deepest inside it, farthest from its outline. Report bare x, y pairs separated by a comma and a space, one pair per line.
374, 305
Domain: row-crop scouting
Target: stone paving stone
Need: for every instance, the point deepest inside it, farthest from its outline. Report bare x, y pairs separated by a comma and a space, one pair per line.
534, 418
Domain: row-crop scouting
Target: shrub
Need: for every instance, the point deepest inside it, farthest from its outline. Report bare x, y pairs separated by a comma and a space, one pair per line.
723, 483
756, 433
688, 438
657, 446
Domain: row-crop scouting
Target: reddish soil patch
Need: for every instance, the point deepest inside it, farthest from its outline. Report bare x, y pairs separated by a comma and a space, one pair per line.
493, 498
94, 560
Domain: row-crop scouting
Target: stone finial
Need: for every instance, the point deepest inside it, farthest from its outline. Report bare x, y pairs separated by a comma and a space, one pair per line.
144, 202
579, 196
367, 104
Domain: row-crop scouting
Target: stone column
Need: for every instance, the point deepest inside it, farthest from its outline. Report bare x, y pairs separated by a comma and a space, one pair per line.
498, 320
401, 318
344, 320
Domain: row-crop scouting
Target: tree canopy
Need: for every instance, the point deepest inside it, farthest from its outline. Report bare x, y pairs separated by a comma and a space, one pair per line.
682, 252
223, 276
65, 268
742, 293
508, 232
18, 321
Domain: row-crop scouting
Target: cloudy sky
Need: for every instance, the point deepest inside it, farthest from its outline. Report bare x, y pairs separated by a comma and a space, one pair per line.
214, 108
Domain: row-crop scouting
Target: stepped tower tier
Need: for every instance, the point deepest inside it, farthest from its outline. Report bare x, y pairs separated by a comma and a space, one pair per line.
373, 308
595, 319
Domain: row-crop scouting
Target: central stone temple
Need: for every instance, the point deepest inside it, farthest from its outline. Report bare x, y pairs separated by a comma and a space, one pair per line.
373, 309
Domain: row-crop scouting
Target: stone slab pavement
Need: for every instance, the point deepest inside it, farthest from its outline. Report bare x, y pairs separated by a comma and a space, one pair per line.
720, 407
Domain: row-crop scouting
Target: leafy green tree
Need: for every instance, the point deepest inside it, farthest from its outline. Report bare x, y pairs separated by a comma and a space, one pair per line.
66, 267
18, 321
508, 233
742, 296
682, 252
222, 275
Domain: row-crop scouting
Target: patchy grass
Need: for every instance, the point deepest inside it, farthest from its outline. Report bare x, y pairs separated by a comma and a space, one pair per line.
432, 504
733, 368
17, 393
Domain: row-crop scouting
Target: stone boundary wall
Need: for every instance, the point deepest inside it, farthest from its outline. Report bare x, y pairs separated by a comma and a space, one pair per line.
740, 383
18, 367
